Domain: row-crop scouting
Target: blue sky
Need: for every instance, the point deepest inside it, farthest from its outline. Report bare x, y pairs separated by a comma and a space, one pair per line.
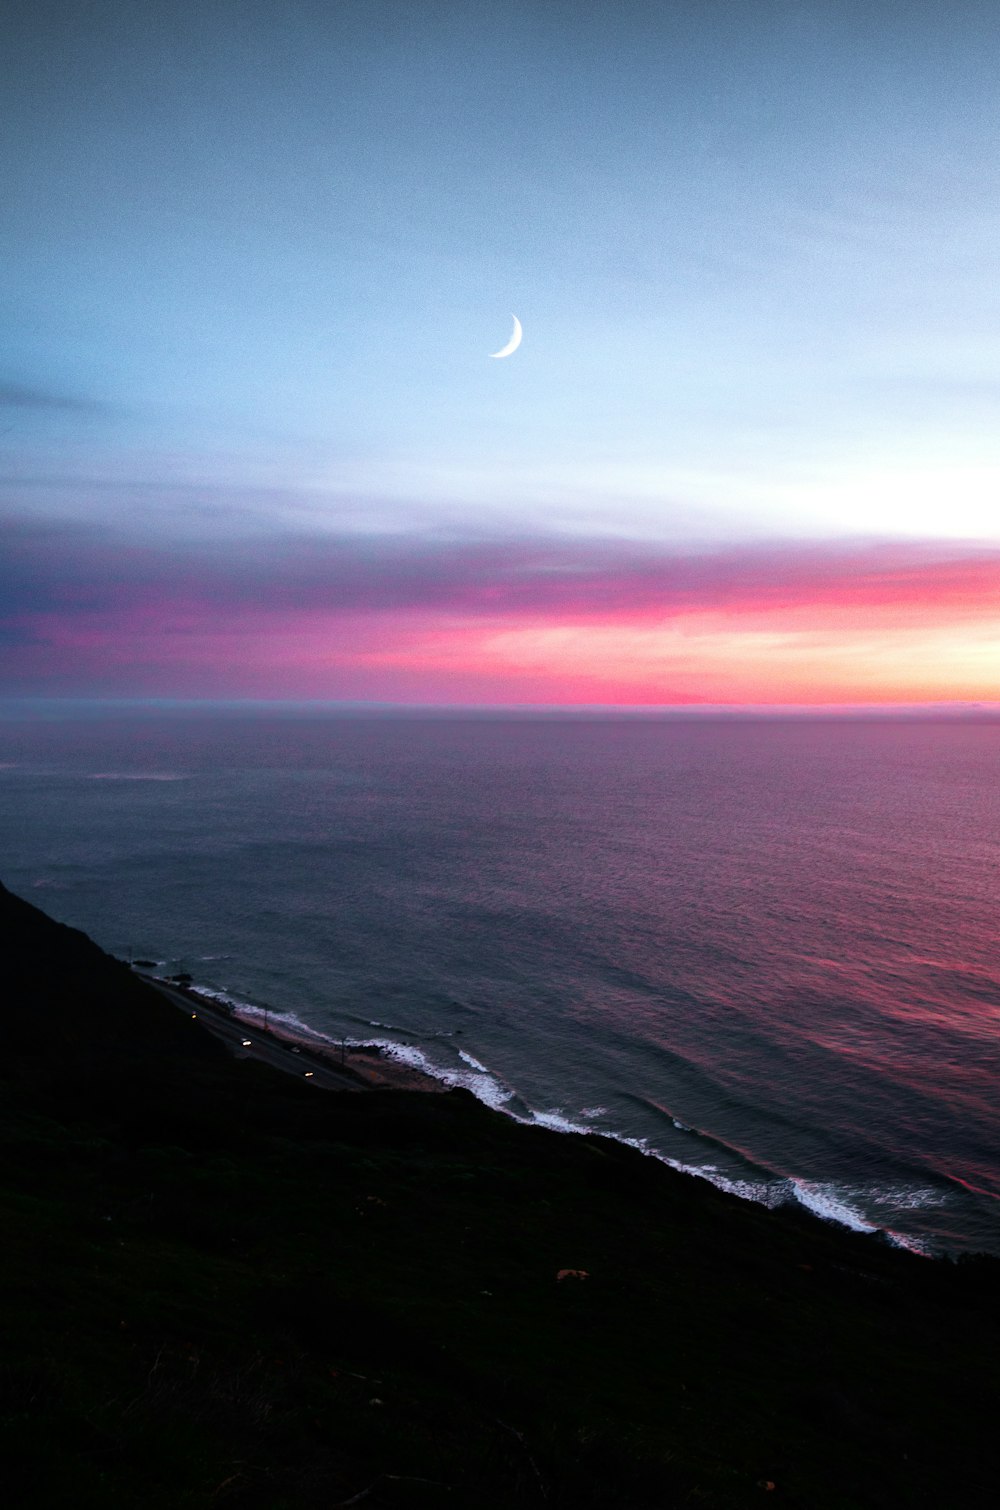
257, 256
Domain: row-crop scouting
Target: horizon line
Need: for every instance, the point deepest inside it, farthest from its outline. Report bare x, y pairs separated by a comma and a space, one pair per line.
14, 706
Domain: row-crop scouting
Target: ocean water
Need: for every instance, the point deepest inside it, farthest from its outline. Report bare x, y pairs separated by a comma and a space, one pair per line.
766, 952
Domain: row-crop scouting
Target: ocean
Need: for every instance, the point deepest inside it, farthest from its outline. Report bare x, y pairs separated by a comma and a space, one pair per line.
765, 951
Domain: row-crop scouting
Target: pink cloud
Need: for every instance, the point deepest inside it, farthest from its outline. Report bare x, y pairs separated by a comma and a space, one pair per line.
547, 620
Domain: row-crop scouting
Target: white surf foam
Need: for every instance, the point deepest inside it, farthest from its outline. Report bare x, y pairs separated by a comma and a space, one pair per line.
769, 1193
913, 1198
395, 1027
248, 1011
472, 1062
558, 1122
841, 1204
484, 1086
830, 1202
911, 1244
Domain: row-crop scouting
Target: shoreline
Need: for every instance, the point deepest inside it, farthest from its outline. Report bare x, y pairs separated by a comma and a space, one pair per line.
368, 1065
373, 1066
221, 1290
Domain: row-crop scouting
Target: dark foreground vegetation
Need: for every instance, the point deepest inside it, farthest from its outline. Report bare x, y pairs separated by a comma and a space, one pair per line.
223, 1288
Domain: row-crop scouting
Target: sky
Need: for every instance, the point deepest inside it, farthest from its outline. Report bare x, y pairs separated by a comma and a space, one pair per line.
257, 256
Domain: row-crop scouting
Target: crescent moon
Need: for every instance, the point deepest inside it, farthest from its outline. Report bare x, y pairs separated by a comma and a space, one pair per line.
513, 343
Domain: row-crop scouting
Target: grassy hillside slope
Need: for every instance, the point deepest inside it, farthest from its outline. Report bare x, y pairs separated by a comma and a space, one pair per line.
221, 1287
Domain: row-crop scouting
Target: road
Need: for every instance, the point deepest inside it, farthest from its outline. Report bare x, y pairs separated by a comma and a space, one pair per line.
246, 1042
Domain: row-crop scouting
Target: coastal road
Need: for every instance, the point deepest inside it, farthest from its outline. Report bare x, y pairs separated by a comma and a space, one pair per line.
246, 1042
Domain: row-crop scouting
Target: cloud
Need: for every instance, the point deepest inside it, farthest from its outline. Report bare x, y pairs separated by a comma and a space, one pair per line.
14, 396
76, 568
541, 618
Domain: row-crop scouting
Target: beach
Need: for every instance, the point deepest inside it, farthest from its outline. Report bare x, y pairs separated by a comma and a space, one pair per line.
347, 1067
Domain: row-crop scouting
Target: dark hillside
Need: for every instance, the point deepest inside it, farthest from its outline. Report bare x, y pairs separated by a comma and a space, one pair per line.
222, 1287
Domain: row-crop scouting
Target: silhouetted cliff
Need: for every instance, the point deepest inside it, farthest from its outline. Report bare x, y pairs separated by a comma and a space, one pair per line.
223, 1288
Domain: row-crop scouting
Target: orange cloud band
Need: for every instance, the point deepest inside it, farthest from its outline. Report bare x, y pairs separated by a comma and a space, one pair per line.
546, 621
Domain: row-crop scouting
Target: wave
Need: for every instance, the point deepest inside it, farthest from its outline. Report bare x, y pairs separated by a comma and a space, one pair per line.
477, 1079
394, 1027
483, 1085
732, 1150
843, 1205
250, 1011
473, 1062
829, 1203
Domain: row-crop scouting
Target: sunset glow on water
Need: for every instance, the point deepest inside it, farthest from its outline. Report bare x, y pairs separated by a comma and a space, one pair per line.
765, 951
261, 442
